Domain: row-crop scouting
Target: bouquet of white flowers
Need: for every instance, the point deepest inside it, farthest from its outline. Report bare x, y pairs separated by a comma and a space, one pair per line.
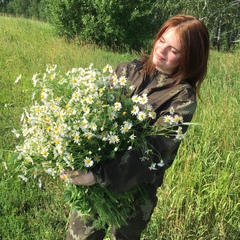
78, 120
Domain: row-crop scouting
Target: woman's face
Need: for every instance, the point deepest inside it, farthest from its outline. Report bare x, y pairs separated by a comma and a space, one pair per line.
166, 52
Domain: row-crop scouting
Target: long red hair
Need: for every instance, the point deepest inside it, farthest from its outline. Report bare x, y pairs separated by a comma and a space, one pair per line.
194, 39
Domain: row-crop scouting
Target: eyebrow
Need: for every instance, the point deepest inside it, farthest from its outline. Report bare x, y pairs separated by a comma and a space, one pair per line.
170, 45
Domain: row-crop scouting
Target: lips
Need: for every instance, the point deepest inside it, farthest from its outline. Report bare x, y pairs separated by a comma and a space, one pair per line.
159, 57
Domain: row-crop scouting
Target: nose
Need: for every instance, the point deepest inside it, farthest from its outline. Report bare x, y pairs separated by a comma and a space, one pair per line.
163, 49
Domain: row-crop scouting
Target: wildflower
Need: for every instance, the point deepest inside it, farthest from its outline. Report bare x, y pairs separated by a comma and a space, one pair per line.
23, 167
89, 100
171, 110
97, 158
52, 76
144, 99
117, 106
122, 81
88, 162
115, 82
168, 119
110, 69
153, 167
127, 125
51, 68
132, 87
67, 179
84, 124
69, 156
76, 137
113, 139
135, 98
23, 178
114, 76
44, 164
14, 131
152, 115
179, 135
161, 163
132, 137
135, 110
28, 159
94, 126
141, 116
148, 107
180, 119
176, 119
179, 130
105, 68
50, 171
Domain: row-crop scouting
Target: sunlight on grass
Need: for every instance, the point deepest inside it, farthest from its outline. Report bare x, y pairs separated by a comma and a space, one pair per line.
200, 195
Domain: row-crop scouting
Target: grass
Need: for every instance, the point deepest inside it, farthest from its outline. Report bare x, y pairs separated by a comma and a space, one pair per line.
200, 195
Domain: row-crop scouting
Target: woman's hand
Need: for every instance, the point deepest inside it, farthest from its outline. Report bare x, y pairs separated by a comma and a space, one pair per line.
78, 178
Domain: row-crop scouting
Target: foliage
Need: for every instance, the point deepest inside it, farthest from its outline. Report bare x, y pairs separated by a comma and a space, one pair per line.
200, 195
128, 24
221, 18
116, 24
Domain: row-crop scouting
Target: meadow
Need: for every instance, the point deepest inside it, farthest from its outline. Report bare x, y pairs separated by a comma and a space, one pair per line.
201, 192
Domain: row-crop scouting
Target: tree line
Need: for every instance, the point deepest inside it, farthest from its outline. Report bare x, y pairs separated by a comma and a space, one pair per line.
127, 24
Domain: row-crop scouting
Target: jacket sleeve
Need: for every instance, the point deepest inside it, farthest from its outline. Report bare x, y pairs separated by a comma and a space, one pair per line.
129, 169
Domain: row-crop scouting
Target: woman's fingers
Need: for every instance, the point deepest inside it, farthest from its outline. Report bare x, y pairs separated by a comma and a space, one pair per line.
78, 178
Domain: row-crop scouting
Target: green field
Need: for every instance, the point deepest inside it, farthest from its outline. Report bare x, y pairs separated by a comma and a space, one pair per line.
201, 192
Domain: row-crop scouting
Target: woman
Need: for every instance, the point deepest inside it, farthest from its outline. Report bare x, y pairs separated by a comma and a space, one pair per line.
171, 77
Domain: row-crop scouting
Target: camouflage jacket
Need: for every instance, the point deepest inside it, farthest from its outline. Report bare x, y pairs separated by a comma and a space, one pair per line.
127, 170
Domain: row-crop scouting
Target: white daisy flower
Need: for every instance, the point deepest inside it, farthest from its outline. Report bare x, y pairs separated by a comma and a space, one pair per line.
45, 152
112, 115
135, 110
88, 162
152, 115
113, 139
135, 98
168, 119
144, 99
127, 125
89, 100
117, 106
141, 116
122, 81
176, 119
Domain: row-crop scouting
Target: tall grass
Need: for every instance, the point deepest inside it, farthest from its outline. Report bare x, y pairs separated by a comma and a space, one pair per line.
200, 195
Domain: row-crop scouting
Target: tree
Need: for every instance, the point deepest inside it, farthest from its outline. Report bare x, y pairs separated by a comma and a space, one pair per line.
112, 23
